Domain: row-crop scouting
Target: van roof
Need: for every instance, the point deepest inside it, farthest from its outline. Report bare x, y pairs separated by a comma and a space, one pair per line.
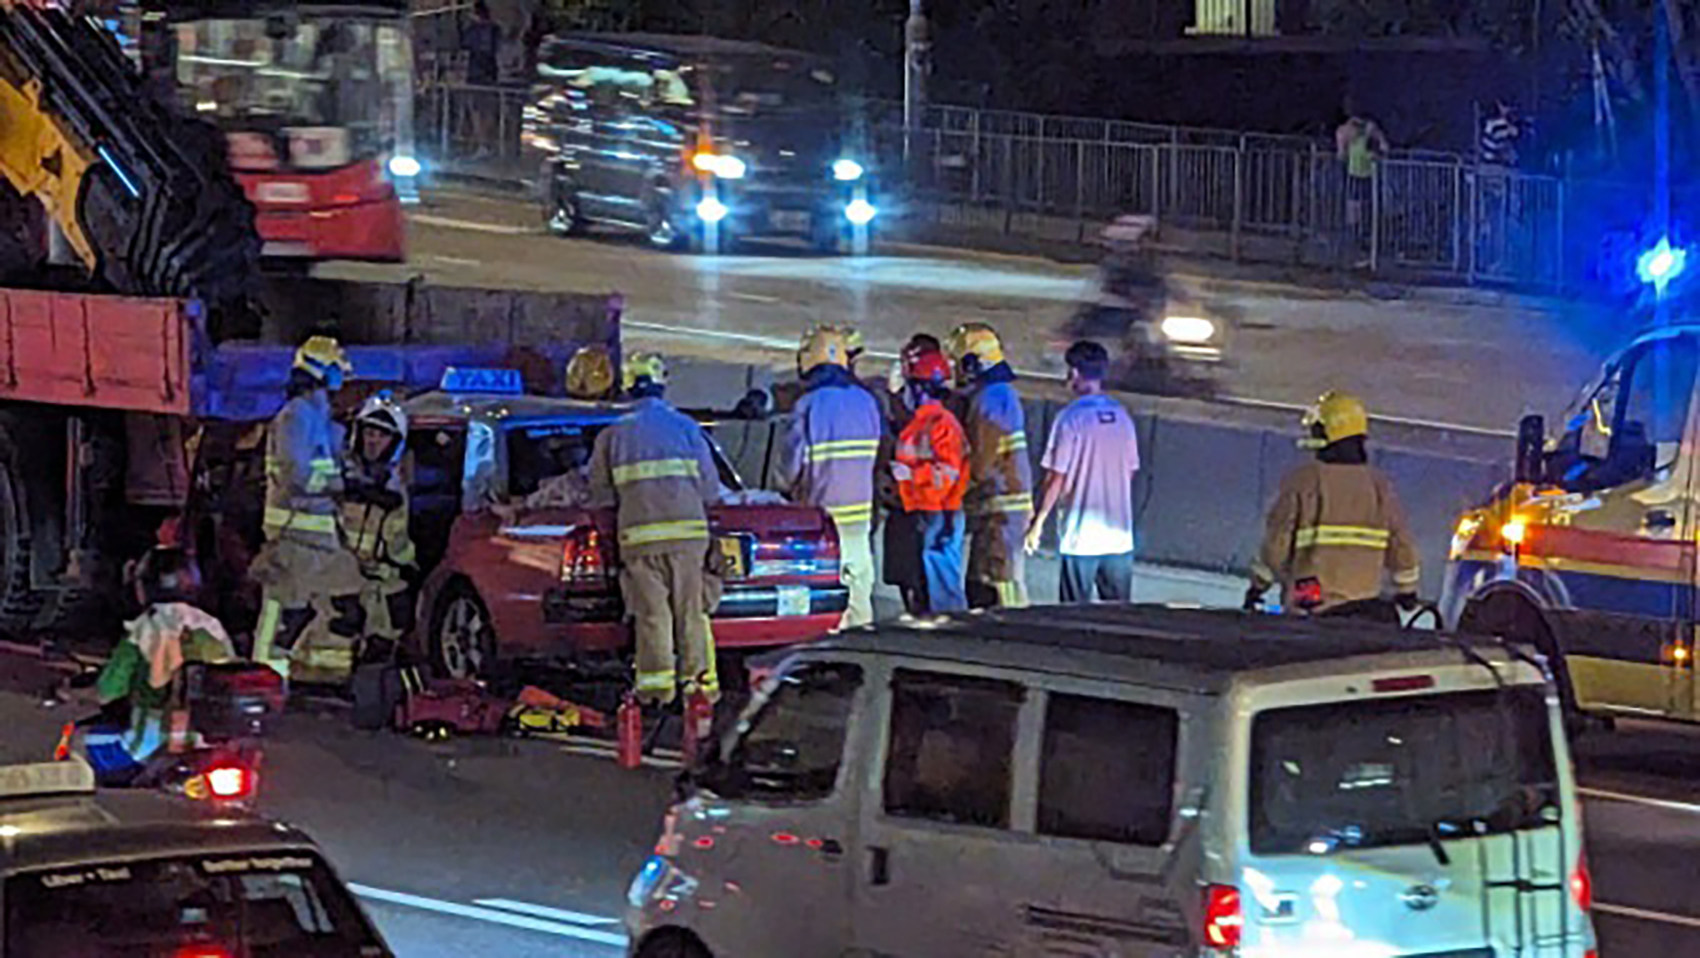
1186, 649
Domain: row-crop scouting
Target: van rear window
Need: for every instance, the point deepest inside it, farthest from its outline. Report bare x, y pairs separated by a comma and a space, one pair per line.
260, 904
1398, 771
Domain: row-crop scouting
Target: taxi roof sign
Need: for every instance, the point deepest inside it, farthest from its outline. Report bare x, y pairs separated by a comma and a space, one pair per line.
475, 379
46, 778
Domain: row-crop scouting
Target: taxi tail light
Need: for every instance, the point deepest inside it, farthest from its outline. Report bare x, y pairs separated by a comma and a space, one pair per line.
581, 555
1223, 919
1582, 884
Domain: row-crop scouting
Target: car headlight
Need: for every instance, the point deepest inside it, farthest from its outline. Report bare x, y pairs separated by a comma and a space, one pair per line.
1188, 329
721, 165
847, 170
404, 165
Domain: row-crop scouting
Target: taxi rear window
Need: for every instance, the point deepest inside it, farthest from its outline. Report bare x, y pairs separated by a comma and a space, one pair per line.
538, 452
1400, 771
254, 905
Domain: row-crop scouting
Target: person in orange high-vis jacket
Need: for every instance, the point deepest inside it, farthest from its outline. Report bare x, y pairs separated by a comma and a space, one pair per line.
931, 468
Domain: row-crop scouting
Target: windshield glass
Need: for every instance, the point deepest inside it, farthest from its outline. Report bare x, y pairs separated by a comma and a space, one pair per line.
1368, 773
275, 73
791, 746
550, 462
763, 84
283, 903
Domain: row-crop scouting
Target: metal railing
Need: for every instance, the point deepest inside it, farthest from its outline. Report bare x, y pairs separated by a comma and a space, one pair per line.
1248, 196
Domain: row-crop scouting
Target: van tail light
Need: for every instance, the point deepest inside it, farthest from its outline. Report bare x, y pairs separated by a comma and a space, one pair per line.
203, 951
1223, 920
1402, 683
581, 555
1582, 884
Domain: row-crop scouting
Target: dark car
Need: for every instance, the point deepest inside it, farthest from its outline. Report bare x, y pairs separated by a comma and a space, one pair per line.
681, 137
142, 873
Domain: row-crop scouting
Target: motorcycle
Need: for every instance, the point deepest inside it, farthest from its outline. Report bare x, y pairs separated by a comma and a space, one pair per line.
211, 752
1169, 342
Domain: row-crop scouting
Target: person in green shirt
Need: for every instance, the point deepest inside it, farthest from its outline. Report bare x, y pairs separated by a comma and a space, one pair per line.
139, 688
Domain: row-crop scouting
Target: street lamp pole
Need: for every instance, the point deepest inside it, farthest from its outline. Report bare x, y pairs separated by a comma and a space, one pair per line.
917, 61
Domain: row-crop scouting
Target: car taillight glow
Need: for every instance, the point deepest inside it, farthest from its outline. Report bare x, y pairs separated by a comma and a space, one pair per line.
203, 951
581, 555
1403, 683
230, 781
1223, 920
1582, 885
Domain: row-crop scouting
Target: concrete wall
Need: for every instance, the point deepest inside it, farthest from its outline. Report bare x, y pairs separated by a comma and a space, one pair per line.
1209, 474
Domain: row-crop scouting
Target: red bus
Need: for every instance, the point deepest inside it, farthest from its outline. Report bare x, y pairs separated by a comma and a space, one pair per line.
317, 102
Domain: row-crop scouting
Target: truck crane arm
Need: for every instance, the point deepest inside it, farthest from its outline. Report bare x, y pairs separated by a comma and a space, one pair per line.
143, 194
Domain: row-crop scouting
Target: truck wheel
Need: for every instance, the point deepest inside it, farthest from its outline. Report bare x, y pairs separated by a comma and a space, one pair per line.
463, 641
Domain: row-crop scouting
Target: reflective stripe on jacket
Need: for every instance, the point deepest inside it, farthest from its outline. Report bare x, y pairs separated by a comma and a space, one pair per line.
831, 444
303, 472
934, 448
655, 465
999, 468
1342, 525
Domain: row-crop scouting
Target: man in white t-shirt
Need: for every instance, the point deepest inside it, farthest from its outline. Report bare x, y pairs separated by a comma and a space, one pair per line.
1090, 461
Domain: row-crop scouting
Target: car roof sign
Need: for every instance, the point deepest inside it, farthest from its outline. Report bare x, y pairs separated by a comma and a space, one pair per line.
475, 379
46, 778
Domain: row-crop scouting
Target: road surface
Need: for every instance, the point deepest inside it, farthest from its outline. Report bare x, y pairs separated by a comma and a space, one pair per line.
524, 849
1424, 359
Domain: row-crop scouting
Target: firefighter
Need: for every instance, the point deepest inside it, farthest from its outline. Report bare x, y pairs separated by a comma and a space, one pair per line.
1000, 490
654, 465
1336, 525
831, 447
375, 515
310, 581
931, 469
590, 374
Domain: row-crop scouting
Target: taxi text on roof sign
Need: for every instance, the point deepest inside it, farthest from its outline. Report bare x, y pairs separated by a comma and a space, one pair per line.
45, 778
473, 379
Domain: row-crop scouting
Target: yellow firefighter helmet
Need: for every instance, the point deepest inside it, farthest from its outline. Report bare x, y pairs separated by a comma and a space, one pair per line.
824, 346
319, 355
978, 340
1336, 416
640, 367
590, 373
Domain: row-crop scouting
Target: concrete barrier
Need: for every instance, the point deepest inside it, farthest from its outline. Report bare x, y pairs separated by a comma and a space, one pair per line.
1210, 473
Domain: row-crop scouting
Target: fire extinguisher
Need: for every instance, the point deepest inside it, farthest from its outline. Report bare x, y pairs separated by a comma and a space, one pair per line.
699, 719
629, 723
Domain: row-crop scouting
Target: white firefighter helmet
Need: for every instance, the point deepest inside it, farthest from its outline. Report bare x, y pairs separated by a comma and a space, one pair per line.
381, 413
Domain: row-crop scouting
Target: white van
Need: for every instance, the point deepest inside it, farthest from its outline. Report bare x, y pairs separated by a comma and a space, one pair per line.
1131, 781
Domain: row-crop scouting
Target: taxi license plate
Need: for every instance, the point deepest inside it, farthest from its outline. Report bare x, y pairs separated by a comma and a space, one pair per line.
282, 193
732, 562
793, 600
790, 220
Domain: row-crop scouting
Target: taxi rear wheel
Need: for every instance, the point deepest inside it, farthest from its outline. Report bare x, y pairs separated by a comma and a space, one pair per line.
463, 640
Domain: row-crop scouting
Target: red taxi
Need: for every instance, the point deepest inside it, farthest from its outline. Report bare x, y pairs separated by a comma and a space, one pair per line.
521, 569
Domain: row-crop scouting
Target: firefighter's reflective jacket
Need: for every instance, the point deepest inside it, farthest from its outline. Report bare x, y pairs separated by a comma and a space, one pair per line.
655, 465
303, 472
374, 522
833, 440
1341, 525
1000, 471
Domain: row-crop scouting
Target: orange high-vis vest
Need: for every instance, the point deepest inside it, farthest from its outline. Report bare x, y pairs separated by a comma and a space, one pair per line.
935, 449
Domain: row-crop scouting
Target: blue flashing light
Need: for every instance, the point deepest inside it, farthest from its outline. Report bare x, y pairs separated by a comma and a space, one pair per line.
1658, 266
472, 379
118, 171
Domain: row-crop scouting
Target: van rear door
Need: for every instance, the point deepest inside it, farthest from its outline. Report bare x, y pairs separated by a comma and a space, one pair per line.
1410, 821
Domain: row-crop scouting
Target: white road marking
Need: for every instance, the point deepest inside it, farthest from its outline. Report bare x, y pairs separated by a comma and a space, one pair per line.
768, 342
543, 911
449, 222
1396, 420
1663, 917
1669, 805
452, 260
755, 298
489, 915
